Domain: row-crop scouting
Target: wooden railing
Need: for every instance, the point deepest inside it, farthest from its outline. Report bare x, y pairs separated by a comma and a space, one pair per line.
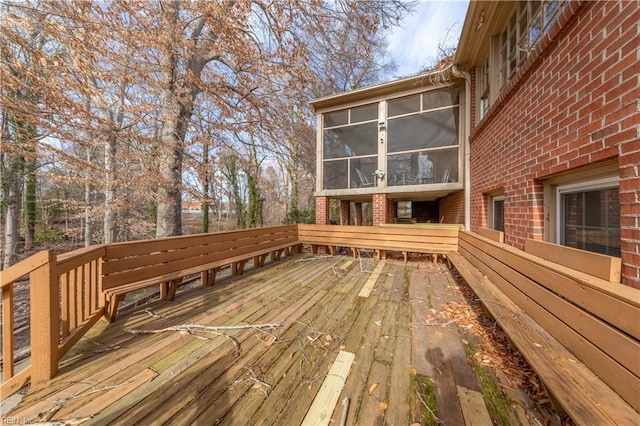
401, 238
597, 320
65, 301
67, 292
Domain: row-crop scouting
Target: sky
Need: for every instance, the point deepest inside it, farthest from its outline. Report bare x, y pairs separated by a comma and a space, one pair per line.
415, 44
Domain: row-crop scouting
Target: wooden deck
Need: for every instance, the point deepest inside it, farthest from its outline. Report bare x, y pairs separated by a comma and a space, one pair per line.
375, 310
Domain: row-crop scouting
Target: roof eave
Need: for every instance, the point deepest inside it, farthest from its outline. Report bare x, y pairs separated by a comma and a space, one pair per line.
391, 87
484, 19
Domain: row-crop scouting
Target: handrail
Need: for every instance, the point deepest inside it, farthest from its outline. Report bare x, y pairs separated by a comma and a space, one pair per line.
66, 299
66, 291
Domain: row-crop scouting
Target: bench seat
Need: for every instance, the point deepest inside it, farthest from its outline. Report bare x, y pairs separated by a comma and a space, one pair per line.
169, 282
573, 387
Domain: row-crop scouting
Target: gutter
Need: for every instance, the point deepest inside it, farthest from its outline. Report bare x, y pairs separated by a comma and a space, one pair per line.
467, 146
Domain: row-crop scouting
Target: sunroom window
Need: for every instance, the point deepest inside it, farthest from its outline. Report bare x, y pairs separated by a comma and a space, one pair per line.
422, 138
350, 147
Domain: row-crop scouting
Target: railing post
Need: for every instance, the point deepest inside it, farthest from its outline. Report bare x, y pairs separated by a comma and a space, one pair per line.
45, 318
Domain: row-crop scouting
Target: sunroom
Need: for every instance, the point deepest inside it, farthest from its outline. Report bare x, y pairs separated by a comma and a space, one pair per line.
402, 140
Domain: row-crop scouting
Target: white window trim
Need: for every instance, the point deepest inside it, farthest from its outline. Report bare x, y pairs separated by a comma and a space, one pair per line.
492, 200
586, 185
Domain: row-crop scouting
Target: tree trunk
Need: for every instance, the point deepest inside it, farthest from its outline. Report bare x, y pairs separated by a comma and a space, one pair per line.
30, 207
109, 193
88, 220
205, 187
255, 202
169, 199
12, 215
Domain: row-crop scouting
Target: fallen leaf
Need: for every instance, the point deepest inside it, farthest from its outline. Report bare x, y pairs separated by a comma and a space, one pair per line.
329, 367
414, 371
383, 405
373, 387
328, 338
271, 341
255, 386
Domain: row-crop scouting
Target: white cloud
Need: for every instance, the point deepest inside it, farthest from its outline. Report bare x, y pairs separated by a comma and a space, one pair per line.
415, 44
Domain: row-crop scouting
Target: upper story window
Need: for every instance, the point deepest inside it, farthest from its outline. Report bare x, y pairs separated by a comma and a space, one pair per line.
483, 89
528, 23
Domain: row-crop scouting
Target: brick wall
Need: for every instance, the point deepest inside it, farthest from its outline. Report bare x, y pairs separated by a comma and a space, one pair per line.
452, 208
345, 212
322, 210
383, 209
574, 103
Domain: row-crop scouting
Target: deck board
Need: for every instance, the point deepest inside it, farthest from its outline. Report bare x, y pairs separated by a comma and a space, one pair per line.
113, 376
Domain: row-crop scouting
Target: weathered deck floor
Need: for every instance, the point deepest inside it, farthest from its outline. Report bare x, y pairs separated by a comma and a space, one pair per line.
115, 377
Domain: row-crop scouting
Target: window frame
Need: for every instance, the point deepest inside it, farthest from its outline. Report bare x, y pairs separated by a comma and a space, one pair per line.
382, 155
595, 184
491, 210
517, 41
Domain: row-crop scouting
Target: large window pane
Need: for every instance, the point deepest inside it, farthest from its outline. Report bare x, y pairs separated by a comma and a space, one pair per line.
362, 172
351, 141
591, 221
420, 168
440, 98
337, 118
364, 113
404, 106
335, 174
428, 130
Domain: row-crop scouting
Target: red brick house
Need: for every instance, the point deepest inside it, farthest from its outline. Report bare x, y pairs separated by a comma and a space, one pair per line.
555, 123
549, 112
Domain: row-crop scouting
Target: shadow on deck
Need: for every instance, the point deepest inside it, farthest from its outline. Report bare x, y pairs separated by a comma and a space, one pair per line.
405, 369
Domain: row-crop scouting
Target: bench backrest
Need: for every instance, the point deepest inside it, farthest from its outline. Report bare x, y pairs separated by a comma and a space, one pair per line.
140, 260
597, 320
406, 238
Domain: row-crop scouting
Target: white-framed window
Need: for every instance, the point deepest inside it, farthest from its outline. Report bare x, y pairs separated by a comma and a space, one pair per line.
529, 21
588, 215
483, 89
496, 212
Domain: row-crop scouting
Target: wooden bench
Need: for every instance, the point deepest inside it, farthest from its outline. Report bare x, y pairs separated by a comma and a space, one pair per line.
135, 265
580, 333
435, 239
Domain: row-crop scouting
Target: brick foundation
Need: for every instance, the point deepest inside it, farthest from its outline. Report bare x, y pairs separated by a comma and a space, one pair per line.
383, 209
452, 208
345, 212
322, 210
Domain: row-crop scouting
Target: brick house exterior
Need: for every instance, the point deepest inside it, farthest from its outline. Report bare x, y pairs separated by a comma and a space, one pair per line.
570, 109
551, 132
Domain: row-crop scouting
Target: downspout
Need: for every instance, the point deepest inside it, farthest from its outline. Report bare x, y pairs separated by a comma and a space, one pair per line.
467, 146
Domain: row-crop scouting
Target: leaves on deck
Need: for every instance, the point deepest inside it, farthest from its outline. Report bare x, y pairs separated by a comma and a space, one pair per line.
493, 350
